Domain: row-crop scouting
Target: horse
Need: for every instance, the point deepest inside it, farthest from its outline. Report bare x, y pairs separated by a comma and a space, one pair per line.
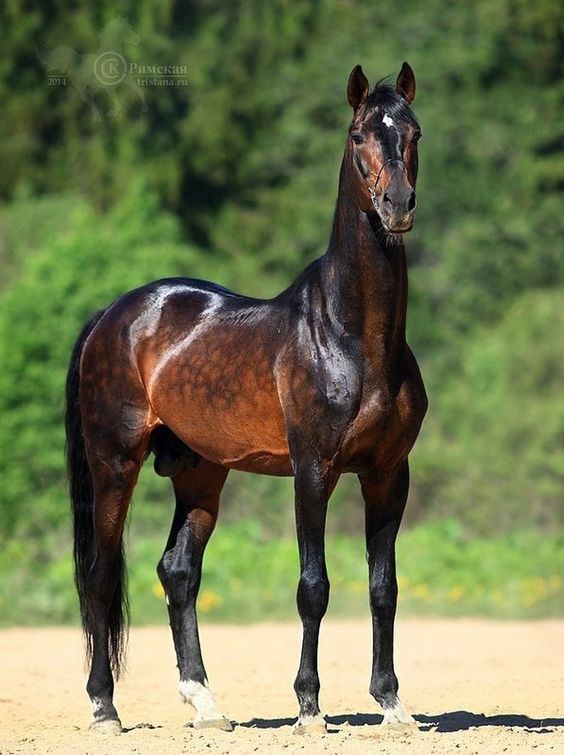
313, 383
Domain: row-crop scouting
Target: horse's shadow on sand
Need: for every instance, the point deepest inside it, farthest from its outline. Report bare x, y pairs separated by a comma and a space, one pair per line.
458, 720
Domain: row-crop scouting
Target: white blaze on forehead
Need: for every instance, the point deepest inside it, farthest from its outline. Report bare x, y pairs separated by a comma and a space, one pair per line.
387, 121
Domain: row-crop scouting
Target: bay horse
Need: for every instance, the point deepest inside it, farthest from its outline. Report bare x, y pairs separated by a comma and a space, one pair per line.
316, 382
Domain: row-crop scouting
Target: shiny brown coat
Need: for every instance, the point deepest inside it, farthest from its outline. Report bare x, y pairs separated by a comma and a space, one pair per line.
313, 383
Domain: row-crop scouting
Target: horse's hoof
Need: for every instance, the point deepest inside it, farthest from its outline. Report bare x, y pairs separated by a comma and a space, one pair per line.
310, 725
107, 726
398, 717
224, 724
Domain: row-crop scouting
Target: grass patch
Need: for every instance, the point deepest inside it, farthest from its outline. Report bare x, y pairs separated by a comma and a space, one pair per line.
250, 578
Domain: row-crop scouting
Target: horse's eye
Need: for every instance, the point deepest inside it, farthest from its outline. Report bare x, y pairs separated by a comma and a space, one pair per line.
357, 138
417, 136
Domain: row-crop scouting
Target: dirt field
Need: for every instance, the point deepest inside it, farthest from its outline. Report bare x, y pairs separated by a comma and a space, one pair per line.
474, 686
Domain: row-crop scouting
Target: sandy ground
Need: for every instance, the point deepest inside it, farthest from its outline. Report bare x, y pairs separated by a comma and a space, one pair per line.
474, 686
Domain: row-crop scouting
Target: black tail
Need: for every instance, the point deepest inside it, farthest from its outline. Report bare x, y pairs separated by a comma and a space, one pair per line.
82, 503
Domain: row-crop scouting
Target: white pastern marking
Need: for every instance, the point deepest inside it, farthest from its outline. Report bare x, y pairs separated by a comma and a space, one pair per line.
387, 121
201, 699
396, 715
317, 720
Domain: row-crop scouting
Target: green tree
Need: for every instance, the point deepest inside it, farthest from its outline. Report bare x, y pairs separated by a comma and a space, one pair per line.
492, 450
78, 271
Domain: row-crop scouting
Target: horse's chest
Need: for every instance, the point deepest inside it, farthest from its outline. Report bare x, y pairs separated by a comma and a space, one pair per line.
387, 423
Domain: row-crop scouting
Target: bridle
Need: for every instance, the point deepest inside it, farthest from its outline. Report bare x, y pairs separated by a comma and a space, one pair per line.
372, 190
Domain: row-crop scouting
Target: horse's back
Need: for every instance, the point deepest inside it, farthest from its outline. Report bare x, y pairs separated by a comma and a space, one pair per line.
205, 359
185, 295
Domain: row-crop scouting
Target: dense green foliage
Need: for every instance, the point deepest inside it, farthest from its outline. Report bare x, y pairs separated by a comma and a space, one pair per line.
234, 178
440, 571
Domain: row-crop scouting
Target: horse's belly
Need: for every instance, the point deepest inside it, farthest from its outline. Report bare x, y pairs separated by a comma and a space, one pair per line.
251, 439
229, 412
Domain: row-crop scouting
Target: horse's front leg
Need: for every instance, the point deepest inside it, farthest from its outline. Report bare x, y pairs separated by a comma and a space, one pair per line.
385, 502
312, 491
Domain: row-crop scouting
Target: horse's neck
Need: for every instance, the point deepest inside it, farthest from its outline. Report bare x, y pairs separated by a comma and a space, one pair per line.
365, 277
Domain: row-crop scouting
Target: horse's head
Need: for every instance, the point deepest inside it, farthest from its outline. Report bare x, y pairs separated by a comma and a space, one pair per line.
383, 144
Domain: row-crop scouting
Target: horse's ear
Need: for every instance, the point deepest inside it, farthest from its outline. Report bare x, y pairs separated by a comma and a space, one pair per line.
405, 83
358, 88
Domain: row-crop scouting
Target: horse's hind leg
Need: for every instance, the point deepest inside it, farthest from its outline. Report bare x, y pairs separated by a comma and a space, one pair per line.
113, 482
197, 502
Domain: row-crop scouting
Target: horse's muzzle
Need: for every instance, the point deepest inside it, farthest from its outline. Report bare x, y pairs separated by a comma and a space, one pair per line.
396, 207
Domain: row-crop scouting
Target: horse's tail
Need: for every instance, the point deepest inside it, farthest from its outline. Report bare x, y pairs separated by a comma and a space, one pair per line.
82, 503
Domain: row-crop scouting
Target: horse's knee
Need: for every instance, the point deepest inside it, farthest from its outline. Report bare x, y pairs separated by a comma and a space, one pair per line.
383, 596
172, 575
179, 578
313, 592
180, 568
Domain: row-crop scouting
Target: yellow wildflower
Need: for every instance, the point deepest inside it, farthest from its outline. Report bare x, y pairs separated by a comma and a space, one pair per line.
455, 593
209, 600
158, 590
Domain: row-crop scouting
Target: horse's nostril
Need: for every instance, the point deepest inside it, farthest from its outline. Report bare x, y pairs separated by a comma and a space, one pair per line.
411, 203
386, 198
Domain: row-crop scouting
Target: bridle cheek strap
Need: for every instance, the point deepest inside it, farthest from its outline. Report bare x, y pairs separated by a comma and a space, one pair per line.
372, 190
